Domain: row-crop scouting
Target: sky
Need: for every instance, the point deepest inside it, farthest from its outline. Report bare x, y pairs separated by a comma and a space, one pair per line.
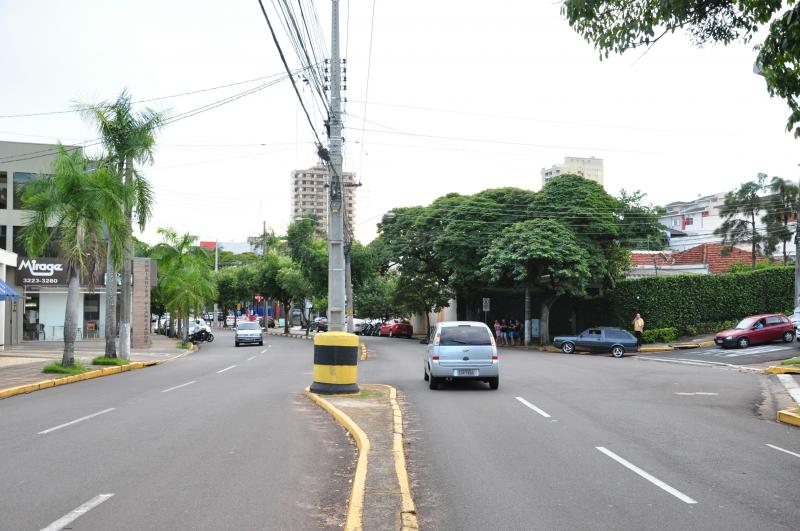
447, 96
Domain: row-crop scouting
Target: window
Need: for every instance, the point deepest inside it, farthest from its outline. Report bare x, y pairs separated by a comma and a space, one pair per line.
20, 180
3, 192
774, 321
464, 335
3, 230
688, 221
705, 213
16, 245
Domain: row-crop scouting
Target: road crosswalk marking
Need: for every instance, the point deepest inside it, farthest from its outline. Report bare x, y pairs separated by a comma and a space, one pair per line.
734, 353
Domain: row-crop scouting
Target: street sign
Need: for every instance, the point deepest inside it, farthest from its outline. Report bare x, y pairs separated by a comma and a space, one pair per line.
486, 301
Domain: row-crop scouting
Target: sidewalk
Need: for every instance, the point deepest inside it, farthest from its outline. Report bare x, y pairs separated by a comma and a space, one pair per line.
22, 364
294, 331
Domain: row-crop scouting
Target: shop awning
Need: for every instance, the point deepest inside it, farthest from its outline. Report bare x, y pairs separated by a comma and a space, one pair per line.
7, 292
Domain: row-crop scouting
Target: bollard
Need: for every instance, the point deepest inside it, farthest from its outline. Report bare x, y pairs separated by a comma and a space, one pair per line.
335, 363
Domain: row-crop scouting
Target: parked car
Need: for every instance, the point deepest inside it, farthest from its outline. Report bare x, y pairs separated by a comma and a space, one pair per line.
248, 332
461, 350
598, 339
320, 324
396, 328
358, 325
757, 329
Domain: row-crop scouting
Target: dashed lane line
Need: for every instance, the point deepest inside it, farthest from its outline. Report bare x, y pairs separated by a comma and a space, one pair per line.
652, 479
70, 423
251, 358
784, 450
226, 369
534, 408
76, 513
179, 386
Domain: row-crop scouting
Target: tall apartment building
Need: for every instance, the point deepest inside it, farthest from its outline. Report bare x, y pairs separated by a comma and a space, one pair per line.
591, 168
310, 196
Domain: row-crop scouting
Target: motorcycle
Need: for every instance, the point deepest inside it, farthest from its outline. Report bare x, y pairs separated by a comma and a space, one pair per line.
201, 336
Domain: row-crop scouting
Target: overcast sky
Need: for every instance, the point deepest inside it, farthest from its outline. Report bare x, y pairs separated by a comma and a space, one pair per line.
463, 96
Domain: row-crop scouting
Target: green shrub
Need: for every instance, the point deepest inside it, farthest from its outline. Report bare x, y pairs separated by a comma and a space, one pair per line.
102, 360
187, 345
56, 368
701, 301
660, 335
791, 361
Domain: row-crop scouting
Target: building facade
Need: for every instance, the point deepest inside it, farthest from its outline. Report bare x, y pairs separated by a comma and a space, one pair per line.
42, 281
309, 195
590, 168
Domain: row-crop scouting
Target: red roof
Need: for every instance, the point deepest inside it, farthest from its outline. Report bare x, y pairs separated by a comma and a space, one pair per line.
709, 254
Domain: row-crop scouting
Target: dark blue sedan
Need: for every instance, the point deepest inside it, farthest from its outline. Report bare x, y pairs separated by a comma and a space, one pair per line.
598, 339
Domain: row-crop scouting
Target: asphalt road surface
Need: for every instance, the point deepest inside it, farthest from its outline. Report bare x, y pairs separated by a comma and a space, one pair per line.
734, 356
220, 439
591, 442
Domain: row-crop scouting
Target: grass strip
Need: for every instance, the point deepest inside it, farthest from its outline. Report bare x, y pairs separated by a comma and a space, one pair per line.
56, 368
102, 360
184, 345
791, 361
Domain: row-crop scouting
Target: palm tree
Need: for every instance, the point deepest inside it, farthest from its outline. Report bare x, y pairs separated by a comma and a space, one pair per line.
75, 210
128, 137
184, 275
739, 211
781, 209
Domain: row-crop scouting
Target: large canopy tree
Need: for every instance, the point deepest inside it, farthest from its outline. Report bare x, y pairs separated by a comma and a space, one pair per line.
620, 25
542, 254
75, 209
128, 137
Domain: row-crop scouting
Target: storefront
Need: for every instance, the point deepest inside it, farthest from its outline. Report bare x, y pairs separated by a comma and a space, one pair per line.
43, 285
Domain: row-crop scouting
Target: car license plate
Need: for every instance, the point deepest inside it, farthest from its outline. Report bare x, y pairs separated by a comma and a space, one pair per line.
466, 372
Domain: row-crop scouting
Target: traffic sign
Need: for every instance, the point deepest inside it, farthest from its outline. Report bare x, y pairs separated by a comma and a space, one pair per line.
486, 301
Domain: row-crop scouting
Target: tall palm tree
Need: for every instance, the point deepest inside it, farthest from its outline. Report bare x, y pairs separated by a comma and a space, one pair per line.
129, 138
75, 210
184, 274
781, 210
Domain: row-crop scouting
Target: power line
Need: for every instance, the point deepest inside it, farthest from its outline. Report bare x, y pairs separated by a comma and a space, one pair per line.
366, 89
289, 73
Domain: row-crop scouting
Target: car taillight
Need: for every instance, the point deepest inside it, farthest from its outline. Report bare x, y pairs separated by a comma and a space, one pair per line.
435, 358
495, 357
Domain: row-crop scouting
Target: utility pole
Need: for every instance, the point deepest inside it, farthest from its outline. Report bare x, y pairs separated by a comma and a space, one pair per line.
335, 351
336, 265
215, 320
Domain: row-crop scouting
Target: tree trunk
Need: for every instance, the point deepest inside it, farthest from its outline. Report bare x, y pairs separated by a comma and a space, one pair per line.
111, 306
185, 333
127, 295
71, 318
753, 243
527, 315
427, 324
545, 319
171, 330
288, 315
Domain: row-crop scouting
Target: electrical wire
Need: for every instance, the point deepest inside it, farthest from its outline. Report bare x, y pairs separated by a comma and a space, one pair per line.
366, 90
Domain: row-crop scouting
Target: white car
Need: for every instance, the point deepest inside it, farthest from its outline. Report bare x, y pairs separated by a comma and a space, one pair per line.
358, 325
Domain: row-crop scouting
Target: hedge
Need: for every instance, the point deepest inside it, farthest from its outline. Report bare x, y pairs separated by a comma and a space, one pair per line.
660, 335
693, 303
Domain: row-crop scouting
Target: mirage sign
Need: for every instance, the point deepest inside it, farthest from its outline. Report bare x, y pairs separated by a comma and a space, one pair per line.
41, 271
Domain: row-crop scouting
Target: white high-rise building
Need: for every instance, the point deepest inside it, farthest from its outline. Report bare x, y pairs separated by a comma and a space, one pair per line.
310, 196
591, 168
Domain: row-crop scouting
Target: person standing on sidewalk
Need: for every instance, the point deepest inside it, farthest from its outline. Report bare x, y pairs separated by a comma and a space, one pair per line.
497, 330
638, 328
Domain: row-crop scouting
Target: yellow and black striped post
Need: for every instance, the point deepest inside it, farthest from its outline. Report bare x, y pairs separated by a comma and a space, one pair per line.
335, 363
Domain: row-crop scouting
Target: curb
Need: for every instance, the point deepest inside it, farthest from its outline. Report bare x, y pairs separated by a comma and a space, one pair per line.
364, 353
788, 416
656, 349
782, 370
45, 384
355, 509
295, 336
408, 514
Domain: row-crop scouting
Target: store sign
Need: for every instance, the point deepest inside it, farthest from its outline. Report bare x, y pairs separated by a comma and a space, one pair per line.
42, 271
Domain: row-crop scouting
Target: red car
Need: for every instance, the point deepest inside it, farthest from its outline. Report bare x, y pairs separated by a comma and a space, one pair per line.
757, 329
396, 328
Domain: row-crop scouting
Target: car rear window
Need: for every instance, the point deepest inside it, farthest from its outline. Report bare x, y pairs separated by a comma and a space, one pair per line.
249, 326
464, 335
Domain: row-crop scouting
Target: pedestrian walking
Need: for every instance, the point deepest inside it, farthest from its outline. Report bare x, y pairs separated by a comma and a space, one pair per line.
638, 329
497, 330
503, 331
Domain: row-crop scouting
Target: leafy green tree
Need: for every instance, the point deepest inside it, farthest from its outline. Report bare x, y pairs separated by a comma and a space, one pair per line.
781, 208
619, 25
740, 212
128, 137
639, 227
77, 210
376, 297
543, 254
267, 278
293, 282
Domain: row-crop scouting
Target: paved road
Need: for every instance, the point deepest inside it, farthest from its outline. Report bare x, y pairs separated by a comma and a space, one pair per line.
591, 442
220, 439
734, 356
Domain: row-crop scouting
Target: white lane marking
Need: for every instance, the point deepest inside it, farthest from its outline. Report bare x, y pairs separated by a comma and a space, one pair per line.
70, 423
536, 409
682, 362
179, 386
791, 386
700, 393
783, 450
652, 479
251, 358
266, 349
226, 369
76, 513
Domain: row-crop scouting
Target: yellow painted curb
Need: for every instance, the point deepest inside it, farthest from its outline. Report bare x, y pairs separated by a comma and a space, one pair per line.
707, 344
408, 512
55, 382
363, 352
789, 416
655, 349
782, 370
355, 509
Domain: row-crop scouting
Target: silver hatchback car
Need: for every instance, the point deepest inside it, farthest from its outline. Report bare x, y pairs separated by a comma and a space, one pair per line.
461, 350
248, 332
